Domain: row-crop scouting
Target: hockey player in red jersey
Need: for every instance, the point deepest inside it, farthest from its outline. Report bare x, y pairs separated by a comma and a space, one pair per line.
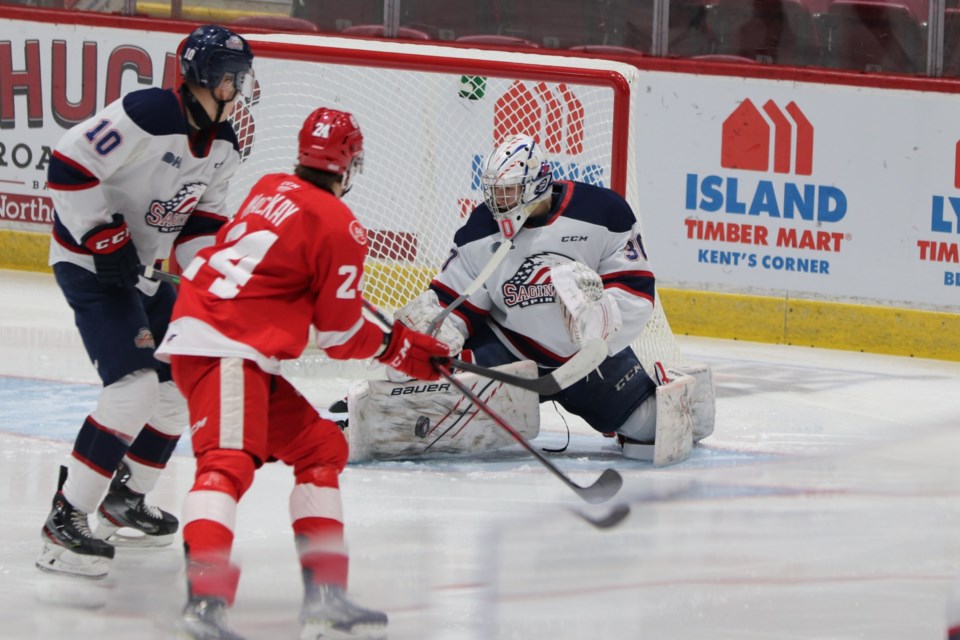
146, 175
292, 258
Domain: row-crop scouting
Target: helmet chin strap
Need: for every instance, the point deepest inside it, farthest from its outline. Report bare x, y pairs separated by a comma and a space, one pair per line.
199, 113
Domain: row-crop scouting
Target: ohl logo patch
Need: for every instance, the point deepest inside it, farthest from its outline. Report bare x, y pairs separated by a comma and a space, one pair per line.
749, 138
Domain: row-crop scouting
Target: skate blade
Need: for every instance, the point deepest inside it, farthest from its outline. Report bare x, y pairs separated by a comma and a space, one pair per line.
129, 538
63, 561
327, 631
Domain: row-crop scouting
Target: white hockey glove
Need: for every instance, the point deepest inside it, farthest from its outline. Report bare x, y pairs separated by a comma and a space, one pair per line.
420, 312
588, 312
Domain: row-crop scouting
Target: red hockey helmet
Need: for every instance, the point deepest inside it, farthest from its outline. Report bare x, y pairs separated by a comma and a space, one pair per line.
330, 140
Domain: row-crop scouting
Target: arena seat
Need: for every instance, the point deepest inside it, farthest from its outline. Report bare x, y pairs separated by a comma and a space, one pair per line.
629, 23
512, 42
724, 57
378, 31
335, 15
277, 23
449, 19
867, 35
607, 50
771, 31
951, 43
565, 23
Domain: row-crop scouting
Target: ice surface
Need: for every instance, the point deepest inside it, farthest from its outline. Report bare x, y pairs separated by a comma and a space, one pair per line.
826, 505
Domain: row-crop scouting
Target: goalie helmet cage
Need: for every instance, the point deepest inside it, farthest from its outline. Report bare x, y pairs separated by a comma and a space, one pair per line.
429, 114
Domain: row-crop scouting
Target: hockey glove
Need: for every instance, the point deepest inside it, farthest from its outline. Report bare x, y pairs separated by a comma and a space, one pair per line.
411, 353
114, 256
588, 312
420, 312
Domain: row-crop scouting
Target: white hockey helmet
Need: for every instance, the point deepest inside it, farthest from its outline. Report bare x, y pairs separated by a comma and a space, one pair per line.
515, 178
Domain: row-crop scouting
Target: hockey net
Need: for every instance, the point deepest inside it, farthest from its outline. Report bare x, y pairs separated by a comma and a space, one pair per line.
429, 114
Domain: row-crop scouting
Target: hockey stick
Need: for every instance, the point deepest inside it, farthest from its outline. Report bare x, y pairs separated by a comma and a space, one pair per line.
583, 362
604, 488
155, 274
472, 288
616, 515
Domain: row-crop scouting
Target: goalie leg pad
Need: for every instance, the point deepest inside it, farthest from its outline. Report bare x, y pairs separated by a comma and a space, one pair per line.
391, 420
703, 402
673, 439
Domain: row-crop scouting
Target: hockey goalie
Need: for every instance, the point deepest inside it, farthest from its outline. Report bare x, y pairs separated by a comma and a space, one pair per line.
576, 270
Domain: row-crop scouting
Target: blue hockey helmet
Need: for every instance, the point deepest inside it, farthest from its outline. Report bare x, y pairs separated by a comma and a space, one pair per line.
213, 52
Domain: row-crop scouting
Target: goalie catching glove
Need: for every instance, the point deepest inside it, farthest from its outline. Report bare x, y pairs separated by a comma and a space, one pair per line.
588, 312
412, 353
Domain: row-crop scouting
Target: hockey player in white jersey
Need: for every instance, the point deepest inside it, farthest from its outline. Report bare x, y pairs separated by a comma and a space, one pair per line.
146, 175
577, 270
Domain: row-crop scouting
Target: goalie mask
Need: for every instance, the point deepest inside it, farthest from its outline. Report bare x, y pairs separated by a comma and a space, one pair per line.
515, 178
331, 141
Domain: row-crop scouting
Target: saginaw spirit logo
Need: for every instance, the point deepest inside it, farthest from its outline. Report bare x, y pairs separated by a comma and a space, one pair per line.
550, 113
942, 248
784, 210
169, 216
531, 283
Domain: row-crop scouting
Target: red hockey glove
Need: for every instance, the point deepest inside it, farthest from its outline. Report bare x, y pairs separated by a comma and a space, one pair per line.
114, 256
411, 352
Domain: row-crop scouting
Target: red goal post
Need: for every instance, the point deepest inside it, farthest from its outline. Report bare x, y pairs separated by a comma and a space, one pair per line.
429, 114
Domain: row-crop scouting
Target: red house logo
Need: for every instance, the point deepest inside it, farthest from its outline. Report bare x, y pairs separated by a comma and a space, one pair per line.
554, 116
748, 139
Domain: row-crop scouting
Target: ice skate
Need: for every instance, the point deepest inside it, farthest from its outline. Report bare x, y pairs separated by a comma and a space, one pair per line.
124, 508
205, 619
327, 613
69, 546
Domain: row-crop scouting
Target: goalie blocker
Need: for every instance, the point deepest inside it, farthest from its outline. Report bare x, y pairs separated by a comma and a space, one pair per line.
390, 420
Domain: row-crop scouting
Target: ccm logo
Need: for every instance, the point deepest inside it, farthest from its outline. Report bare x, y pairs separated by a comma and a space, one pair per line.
627, 377
110, 241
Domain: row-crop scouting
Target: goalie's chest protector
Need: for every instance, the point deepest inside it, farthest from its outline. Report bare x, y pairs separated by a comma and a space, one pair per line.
585, 225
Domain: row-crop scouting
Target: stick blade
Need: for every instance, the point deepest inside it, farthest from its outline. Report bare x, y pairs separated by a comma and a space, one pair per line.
606, 486
576, 368
612, 518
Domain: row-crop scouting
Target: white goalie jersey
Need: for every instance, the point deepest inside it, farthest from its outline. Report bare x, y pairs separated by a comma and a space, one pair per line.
586, 224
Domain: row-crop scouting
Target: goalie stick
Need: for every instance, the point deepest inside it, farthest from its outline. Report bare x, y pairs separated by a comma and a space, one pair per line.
583, 362
472, 288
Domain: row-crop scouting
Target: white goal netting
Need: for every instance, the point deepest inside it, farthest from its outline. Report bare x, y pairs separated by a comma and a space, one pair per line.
429, 115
